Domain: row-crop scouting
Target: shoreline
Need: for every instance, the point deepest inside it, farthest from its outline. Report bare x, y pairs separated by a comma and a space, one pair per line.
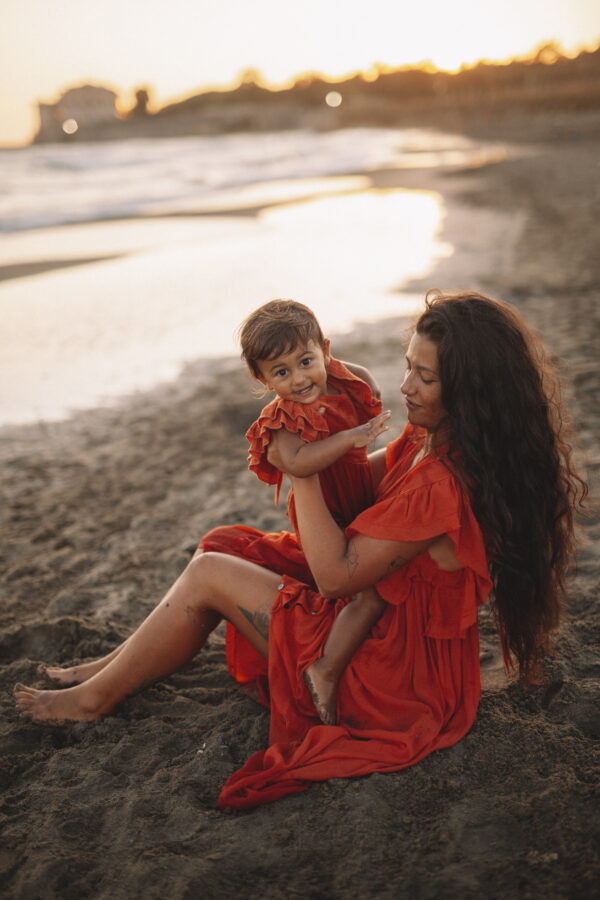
464, 239
248, 201
101, 513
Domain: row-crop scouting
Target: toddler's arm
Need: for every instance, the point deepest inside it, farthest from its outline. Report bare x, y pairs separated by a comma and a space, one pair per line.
301, 459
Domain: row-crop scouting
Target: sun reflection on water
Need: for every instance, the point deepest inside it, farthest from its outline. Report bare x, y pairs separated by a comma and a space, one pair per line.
349, 255
79, 336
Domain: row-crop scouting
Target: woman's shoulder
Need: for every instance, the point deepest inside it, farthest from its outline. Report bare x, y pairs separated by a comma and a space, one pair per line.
417, 494
421, 501
406, 443
400, 460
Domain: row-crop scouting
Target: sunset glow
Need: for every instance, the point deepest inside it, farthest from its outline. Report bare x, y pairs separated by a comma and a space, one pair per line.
184, 46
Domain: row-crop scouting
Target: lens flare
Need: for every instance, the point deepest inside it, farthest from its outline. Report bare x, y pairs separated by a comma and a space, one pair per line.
333, 99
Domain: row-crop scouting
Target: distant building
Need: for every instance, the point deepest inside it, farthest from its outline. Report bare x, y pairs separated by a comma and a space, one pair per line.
79, 109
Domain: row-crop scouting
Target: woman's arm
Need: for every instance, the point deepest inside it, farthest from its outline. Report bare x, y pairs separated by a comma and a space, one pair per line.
301, 459
341, 565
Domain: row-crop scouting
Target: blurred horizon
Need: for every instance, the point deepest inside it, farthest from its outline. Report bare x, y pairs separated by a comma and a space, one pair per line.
122, 47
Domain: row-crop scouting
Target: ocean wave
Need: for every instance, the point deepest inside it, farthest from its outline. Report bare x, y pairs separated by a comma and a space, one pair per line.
48, 185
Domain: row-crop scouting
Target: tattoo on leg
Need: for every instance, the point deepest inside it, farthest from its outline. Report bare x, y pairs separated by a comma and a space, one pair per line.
191, 614
259, 620
351, 559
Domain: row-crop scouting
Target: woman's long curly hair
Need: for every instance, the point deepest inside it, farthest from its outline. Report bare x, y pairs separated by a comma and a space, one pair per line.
508, 441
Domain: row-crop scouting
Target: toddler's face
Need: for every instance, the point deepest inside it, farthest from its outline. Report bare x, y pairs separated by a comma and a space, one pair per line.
299, 374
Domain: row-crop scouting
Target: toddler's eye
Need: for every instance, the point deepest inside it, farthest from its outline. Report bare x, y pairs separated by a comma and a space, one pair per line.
281, 373
306, 361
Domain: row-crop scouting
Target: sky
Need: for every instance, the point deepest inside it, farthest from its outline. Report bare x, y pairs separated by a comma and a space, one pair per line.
178, 47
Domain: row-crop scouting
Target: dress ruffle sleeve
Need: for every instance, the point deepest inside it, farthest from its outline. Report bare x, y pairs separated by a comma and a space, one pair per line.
428, 502
297, 418
422, 509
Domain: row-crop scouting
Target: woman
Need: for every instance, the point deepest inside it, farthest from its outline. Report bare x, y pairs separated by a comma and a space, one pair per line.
477, 494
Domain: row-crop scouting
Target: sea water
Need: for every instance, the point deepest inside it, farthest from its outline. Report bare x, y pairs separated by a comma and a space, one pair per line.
53, 184
189, 235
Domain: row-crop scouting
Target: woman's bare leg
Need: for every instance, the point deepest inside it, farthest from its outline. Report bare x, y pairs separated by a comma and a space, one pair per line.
350, 628
213, 586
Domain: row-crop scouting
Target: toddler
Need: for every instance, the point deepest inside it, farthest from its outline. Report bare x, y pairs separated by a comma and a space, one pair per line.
325, 417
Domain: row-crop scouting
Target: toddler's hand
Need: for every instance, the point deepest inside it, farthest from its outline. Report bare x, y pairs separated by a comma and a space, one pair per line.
363, 435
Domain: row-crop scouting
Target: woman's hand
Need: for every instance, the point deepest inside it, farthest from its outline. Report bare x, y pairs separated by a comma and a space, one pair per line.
365, 375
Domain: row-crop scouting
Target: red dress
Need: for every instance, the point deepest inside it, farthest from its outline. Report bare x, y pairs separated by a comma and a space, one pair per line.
347, 487
413, 686
346, 484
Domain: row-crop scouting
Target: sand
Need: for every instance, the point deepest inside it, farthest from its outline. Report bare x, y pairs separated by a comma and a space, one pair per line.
101, 512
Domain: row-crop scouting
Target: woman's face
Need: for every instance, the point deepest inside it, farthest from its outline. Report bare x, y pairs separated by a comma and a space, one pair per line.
422, 387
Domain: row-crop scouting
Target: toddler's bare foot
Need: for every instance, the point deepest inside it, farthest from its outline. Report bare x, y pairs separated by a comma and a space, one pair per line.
323, 690
55, 707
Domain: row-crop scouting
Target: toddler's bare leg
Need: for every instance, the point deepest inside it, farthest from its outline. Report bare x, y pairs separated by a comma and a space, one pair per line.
349, 630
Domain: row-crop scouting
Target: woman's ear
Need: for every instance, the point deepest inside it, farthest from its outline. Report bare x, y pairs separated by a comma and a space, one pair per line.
326, 351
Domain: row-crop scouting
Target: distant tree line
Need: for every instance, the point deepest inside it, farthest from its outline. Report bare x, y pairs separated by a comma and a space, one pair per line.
548, 72
548, 81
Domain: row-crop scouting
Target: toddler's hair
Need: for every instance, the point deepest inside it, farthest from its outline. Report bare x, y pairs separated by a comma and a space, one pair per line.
277, 327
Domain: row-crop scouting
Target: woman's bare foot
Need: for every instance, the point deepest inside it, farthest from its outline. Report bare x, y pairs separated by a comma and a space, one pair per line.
70, 705
323, 689
71, 675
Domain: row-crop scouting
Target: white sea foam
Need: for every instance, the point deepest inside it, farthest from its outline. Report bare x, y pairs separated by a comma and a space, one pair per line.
56, 184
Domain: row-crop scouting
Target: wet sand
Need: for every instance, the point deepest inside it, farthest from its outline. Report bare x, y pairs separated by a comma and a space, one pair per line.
101, 512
